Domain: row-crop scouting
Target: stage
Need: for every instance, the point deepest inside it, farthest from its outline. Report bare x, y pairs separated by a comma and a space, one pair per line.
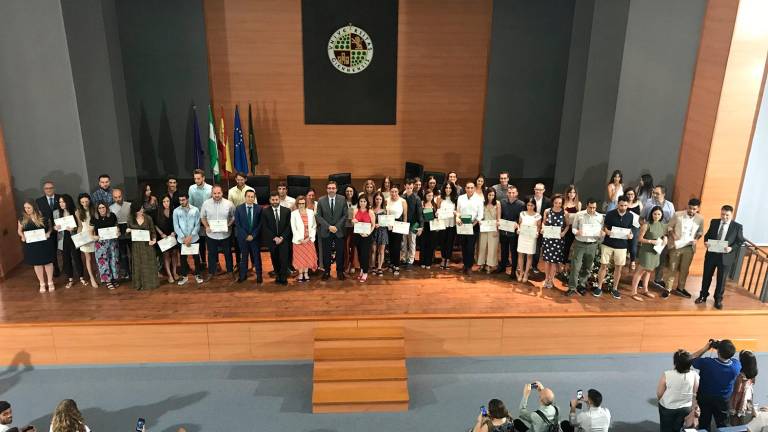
443, 312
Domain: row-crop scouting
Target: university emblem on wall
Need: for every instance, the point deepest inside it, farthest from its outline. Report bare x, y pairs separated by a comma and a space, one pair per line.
350, 49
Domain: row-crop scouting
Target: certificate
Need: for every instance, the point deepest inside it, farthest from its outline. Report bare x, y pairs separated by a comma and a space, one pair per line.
386, 220
192, 249
717, 246
429, 214
34, 236
110, 233
590, 230
528, 231
620, 233
488, 225
65, 222
506, 225
218, 225
82, 239
140, 235
167, 243
437, 225
635, 219
551, 232
465, 229
466, 218
659, 247
401, 227
445, 214
362, 228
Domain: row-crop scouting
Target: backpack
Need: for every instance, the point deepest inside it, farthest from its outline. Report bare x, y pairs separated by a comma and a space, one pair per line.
551, 427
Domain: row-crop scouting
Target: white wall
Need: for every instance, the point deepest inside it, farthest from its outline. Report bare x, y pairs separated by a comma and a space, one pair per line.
753, 203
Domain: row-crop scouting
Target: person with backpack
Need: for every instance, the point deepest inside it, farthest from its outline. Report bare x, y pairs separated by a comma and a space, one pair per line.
545, 419
494, 419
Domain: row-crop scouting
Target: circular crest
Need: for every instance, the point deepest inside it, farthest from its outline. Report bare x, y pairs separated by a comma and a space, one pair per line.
350, 49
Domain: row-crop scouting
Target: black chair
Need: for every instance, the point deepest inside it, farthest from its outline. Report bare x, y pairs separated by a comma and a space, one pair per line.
440, 177
297, 185
413, 170
342, 180
260, 183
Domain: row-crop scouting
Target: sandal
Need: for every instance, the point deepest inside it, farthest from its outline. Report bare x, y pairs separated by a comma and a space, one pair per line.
110, 286
637, 297
648, 294
42, 288
364, 277
83, 281
51, 287
69, 283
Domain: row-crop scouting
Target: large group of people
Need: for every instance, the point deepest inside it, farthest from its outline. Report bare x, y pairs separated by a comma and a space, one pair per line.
378, 230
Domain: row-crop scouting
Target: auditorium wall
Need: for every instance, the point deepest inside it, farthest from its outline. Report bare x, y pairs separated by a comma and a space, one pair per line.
255, 55
752, 205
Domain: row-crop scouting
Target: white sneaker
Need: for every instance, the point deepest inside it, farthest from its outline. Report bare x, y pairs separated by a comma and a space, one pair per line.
198, 279
182, 281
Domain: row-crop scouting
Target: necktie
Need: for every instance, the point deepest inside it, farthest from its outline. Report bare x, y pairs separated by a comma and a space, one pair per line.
720, 231
250, 219
50, 202
332, 205
277, 216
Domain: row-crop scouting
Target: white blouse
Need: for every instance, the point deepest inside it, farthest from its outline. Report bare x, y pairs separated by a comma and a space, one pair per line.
447, 206
395, 208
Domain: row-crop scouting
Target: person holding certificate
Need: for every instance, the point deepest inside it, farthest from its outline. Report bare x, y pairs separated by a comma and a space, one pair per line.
652, 236
304, 229
361, 238
618, 233
398, 209
143, 257
107, 253
217, 215
723, 240
428, 236
488, 250
511, 207
83, 215
186, 223
587, 228
380, 235
164, 228
34, 231
415, 221
636, 207
684, 230
122, 210
527, 235
553, 246
198, 193
446, 211
247, 234
72, 263
571, 205
469, 210
47, 204
350, 257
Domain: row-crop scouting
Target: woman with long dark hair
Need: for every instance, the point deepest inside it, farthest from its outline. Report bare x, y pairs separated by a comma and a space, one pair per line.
615, 189
428, 237
652, 232
362, 241
70, 256
741, 405
644, 189
144, 259
164, 228
83, 215
446, 210
107, 253
351, 260
495, 419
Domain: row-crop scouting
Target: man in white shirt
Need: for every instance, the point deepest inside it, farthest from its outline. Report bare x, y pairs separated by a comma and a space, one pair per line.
6, 418
122, 210
197, 194
218, 208
592, 418
584, 247
469, 210
285, 200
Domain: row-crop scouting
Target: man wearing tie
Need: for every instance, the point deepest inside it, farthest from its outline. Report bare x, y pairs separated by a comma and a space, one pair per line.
723, 229
331, 214
47, 204
247, 229
277, 228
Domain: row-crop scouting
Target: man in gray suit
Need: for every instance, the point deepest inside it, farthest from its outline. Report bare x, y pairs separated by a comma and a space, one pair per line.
331, 214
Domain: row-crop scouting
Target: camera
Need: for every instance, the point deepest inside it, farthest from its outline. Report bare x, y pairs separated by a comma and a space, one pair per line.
579, 397
714, 344
483, 411
534, 386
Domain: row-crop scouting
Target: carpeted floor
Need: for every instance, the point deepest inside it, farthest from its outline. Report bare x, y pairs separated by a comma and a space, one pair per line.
445, 393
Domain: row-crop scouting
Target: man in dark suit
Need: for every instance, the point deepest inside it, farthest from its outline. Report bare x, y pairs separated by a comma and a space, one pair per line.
247, 229
542, 203
331, 214
47, 204
728, 230
277, 229
511, 207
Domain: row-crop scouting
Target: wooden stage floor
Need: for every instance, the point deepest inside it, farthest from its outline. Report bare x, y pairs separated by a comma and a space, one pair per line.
443, 312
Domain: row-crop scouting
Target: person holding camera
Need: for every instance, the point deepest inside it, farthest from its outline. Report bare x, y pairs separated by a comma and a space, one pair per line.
717, 375
494, 419
592, 418
676, 392
6, 418
544, 419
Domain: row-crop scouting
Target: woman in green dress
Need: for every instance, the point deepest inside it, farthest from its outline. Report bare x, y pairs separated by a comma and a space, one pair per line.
144, 259
652, 233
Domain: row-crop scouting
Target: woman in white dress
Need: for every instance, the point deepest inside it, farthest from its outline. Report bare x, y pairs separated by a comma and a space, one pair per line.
526, 244
86, 211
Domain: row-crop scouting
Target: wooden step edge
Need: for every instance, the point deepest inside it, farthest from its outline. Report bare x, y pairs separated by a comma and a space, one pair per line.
358, 333
354, 407
362, 374
367, 353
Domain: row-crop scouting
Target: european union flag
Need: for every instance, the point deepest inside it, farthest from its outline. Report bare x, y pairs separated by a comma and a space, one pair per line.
241, 160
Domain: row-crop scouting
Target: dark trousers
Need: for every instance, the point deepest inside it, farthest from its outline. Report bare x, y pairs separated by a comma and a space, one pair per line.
330, 244
535, 262
447, 240
279, 255
508, 245
53, 244
185, 263
671, 420
427, 248
249, 249
395, 244
72, 261
467, 250
203, 242
363, 245
714, 262
712, 406
124, 249
568, 239
236, 247
214, 247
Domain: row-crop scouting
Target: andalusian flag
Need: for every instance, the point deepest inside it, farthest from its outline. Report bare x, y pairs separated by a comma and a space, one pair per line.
212, 148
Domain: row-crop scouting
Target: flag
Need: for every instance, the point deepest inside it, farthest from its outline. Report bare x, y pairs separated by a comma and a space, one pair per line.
224, 162
198, 145
213, 152
253, 156
241, 160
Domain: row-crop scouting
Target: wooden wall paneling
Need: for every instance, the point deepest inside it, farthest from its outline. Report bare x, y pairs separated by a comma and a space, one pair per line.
28, 345
255, 54
667, 334
11, 252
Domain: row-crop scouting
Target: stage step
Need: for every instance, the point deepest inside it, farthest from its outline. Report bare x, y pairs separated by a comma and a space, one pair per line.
359, 370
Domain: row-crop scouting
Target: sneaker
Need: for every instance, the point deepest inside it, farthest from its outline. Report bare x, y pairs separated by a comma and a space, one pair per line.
570, 293
198, 279
664, 294
660, 283
581, 290
615, 294
182, 281
597, 292
682, 293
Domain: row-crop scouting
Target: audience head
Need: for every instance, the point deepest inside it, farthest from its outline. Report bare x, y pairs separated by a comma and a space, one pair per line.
726, 213
49, 189
557, 202
512, 193
449, 191
538, 190
117, 195
217, 193
104, 181
386, 184
67, 418
496, 409
490, 196
683, 360
616, 177
594, 397
250, 197
350, 194
469, 188
546, 396
623, 204
571, 194
362, 203
183, 199
6, 414
331, 188
504, 178
693, 206
282, 189
530, 204
171, 182
591, 205
301, 202
656, 214
726, 349
274, 199
748, 364
659, 191
67, 203
199, 176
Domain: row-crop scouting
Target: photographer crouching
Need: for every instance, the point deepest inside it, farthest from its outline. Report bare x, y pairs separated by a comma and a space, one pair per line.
716, 378
592, 418
544, 419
